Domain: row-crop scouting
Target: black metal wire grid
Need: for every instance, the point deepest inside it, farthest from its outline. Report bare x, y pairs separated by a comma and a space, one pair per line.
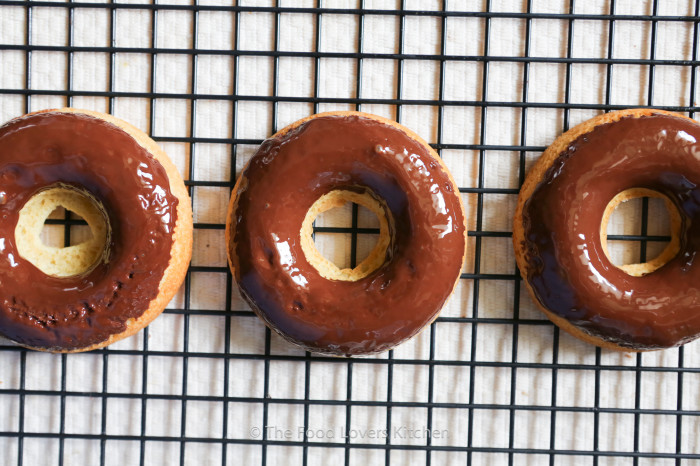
300, 449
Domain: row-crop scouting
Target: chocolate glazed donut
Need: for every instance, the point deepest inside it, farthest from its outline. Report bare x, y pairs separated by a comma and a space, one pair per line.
561, 220
140, 198
329, 159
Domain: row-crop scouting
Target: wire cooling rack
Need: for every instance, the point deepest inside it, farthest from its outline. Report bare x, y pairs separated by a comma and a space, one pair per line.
489, 84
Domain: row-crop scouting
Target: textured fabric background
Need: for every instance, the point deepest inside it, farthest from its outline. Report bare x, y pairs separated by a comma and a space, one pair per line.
204, 370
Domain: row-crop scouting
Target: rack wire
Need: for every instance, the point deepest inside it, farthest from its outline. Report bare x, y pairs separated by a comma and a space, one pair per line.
161, 423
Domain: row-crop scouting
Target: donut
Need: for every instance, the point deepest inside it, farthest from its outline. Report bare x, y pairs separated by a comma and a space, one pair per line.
92, 294
321, 162
560, 230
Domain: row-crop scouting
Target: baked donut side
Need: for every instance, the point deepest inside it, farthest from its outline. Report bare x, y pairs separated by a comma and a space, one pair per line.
180, 250
363, 271
536, 176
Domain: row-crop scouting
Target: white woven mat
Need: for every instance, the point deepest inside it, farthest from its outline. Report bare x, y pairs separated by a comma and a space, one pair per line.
240, 396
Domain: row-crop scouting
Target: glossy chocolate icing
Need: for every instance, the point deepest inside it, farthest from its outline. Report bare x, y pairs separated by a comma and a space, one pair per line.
568, 269
286, 176
44, 150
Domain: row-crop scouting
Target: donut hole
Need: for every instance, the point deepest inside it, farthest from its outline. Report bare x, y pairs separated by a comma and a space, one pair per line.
39, 238
632, 246
343, 241
64, 228
339, 247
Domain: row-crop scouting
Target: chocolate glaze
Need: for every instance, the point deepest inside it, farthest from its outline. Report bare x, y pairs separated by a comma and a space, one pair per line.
568, 270
286, 176
48, 149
